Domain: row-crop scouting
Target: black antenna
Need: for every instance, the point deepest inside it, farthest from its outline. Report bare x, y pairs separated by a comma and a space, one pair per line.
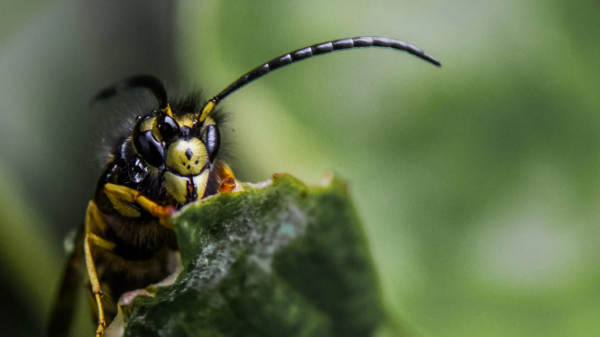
315, 50
140, 81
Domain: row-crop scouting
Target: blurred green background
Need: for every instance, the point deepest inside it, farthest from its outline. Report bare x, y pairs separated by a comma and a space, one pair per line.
478, 183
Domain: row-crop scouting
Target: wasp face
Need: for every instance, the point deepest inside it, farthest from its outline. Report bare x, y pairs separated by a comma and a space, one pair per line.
180, 150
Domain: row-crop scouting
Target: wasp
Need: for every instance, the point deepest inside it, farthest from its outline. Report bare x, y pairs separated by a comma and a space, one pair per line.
168, 158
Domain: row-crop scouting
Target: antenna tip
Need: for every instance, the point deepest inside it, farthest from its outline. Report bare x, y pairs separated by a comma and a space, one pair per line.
433, 60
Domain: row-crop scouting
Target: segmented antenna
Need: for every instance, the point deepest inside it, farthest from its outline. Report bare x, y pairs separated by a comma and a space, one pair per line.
140, 81
315, 50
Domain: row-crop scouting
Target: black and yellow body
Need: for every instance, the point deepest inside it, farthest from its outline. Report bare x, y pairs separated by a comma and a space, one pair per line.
164, 162
146, 178
167, 159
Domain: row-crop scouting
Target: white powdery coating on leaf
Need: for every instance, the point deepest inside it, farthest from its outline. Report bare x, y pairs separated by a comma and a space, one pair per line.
261, 184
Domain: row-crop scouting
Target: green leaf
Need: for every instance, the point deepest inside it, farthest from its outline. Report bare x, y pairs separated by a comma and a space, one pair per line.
282, 259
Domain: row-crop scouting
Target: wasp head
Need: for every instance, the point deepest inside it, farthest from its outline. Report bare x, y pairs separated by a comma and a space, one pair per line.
181, 150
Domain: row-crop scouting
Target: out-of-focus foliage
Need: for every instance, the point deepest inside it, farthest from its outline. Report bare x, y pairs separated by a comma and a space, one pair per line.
281, 260
478, 183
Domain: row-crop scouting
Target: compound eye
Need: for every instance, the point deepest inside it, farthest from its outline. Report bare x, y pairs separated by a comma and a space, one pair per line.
167, 127
149, 148
212, 139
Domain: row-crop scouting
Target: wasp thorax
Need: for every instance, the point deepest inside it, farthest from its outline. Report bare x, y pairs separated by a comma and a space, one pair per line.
187, 157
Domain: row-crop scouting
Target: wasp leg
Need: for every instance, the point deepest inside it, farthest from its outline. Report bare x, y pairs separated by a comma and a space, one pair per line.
227, 179
94, 220
91, 269
129, 195
100, 242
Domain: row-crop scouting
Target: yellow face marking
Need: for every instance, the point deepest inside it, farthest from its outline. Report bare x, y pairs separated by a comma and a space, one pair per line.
186, 120
155, 131
209, 121
147, 124
178, 186
167, 110
187, 157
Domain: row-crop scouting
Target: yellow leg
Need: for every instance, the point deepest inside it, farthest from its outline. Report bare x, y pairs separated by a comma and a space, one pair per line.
91, 269
100, 242
132, 196
90, 237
